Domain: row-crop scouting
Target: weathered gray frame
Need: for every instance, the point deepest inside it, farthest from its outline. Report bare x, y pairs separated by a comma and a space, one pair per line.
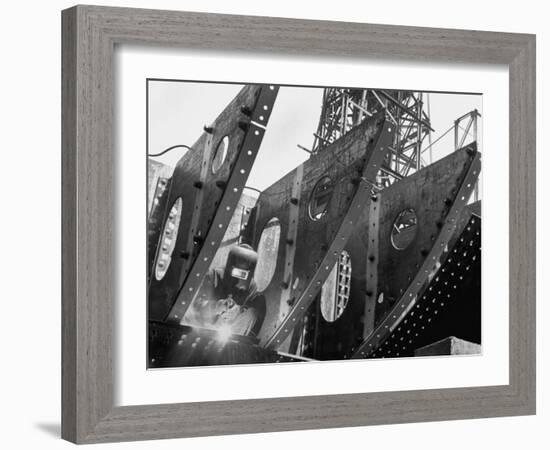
89, 36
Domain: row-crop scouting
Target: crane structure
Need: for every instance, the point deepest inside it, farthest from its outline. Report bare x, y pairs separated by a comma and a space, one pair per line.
369, 248
408, 111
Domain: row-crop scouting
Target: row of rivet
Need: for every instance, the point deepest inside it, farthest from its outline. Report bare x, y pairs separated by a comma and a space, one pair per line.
434, 294
222, 217
381, 333
362, 195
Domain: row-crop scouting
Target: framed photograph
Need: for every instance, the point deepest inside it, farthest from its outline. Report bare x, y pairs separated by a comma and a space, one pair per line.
276, 224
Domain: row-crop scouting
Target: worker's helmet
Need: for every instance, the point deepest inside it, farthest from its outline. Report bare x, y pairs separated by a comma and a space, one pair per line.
240, 266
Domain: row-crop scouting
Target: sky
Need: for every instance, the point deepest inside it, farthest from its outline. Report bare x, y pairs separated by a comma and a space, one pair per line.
178, 111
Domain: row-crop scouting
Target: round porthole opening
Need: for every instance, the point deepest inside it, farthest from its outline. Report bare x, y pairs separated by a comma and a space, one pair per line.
404, 229
335, 292
268, 250
168, 239
220, 154
320, 198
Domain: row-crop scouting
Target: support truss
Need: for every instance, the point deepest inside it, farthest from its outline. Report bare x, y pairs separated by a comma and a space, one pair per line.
343, 109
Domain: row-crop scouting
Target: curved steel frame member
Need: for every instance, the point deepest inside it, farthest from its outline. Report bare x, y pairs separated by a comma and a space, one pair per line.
442, 292
378, 267
409, 297
226, 207
213, 199
363, 195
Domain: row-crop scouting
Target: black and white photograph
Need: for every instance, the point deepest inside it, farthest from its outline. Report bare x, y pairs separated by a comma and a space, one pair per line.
263, 225
311, 223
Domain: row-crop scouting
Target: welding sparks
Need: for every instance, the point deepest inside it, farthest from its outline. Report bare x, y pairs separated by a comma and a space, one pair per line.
224, 332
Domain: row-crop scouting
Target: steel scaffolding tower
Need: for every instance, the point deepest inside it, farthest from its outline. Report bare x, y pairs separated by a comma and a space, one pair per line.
343, 109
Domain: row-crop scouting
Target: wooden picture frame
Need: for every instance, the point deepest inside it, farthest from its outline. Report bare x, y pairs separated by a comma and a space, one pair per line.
90, 34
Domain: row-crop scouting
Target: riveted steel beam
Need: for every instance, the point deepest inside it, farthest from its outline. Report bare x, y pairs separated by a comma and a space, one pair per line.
358, 204
449, 303
292, 235
233, 186
409, 298
371, 279
208, 181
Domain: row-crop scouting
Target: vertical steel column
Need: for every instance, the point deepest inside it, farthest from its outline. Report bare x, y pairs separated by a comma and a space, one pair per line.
196, 213
290, 242
371, 280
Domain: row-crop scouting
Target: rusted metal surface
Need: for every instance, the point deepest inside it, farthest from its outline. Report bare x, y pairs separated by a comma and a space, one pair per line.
371, 263
204, 193
352, 164
430, 193
450, 304
352, 215
156, 221
339, 339
209, 197
408, 272
291, 243
344, 108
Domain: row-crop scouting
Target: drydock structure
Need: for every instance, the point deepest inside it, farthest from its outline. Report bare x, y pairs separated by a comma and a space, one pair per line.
366, 250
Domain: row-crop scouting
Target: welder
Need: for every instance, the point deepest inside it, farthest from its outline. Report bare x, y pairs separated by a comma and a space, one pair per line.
229, 296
